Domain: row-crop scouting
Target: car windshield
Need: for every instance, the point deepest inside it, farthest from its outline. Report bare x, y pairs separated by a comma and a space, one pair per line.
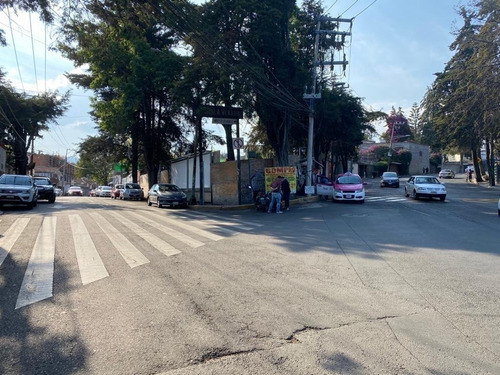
42, 181
349, 180
105, 188
15, 180
426, 180
75, 188
168, 188
390, 174
132, 186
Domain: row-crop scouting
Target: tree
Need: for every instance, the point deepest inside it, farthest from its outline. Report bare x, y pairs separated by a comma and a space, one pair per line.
133, 69
98, 155
397, 127
23, 118
341, 126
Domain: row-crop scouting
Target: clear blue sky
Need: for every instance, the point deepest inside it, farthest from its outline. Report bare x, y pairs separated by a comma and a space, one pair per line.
397, 46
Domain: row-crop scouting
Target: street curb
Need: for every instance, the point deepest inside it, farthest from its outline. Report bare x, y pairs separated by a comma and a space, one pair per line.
293, 202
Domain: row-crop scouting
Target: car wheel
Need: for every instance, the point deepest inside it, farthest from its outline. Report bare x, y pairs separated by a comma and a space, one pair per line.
149, 202
498, 212
53, 199
414, 195
442, 198
406, 193
158, 203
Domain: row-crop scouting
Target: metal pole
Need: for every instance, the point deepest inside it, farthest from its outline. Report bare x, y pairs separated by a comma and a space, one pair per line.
202, 177
311, 110
389, 154
238, 161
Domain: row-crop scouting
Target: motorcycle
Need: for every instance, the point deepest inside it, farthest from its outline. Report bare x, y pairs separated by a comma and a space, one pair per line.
261, 199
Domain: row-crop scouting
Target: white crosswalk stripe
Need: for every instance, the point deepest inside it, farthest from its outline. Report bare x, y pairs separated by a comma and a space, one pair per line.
38, 279
89, 262
127, 250
170, 231
168, 234
10, 237
150, 238
386, 199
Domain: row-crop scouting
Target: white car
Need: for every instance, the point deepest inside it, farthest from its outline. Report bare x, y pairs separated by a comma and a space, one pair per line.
18, 189
425, 187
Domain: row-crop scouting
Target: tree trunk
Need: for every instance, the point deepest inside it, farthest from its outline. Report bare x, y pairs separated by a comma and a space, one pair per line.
229, 140
477, 167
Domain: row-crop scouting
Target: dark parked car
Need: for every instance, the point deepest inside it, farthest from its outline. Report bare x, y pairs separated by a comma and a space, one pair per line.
389, 179
18, 189
45, 189
167, 195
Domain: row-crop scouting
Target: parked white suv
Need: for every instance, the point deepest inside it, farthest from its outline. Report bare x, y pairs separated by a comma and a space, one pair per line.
18, 189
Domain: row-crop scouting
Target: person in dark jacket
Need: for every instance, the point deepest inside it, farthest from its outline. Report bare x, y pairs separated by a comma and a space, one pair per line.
285, 190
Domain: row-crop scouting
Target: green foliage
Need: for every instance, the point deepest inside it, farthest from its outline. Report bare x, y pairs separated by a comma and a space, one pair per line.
23, 118
436, 159
98, 156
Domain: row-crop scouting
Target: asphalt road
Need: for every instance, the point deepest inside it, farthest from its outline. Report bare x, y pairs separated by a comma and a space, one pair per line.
392, 286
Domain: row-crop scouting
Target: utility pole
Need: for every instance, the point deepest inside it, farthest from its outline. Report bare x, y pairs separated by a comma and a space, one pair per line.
313, 95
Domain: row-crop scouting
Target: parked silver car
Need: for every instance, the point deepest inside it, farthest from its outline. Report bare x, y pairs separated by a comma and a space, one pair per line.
131, 190
105, 191
446, 173
425, 187
18, 189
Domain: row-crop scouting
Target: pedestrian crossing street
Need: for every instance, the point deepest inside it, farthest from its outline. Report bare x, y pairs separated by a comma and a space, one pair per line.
168, 234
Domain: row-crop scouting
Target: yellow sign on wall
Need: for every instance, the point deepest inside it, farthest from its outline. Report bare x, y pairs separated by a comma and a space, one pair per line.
290, 173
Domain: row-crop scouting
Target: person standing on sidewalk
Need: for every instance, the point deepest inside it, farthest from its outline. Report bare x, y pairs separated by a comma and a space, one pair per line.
285, 190
276, 195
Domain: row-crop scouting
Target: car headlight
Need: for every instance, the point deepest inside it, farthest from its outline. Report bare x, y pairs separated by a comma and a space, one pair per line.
360, 191
26, 191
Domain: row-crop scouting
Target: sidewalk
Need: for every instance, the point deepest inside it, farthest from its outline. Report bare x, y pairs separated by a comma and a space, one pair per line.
212, 207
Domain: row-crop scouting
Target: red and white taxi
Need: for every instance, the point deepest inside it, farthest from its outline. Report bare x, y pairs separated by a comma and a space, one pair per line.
348, 187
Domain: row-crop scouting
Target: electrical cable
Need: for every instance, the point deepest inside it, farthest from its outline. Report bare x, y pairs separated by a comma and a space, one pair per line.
33, 52
373, 2
15, 50
261, 83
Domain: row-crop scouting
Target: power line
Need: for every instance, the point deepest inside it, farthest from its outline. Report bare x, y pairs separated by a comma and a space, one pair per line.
373, 2
15, 50
33, 51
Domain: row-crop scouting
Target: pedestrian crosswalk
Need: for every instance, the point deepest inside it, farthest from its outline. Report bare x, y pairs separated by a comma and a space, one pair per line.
166, 235
386, 199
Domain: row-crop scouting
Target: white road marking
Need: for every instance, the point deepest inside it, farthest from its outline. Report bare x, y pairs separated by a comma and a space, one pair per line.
127, 250
156, 242
191, 228
38, 279
172, 232
90, 263
225, 219
10, 237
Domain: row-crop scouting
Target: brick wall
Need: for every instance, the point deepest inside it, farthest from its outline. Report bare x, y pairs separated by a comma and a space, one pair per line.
224, 178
